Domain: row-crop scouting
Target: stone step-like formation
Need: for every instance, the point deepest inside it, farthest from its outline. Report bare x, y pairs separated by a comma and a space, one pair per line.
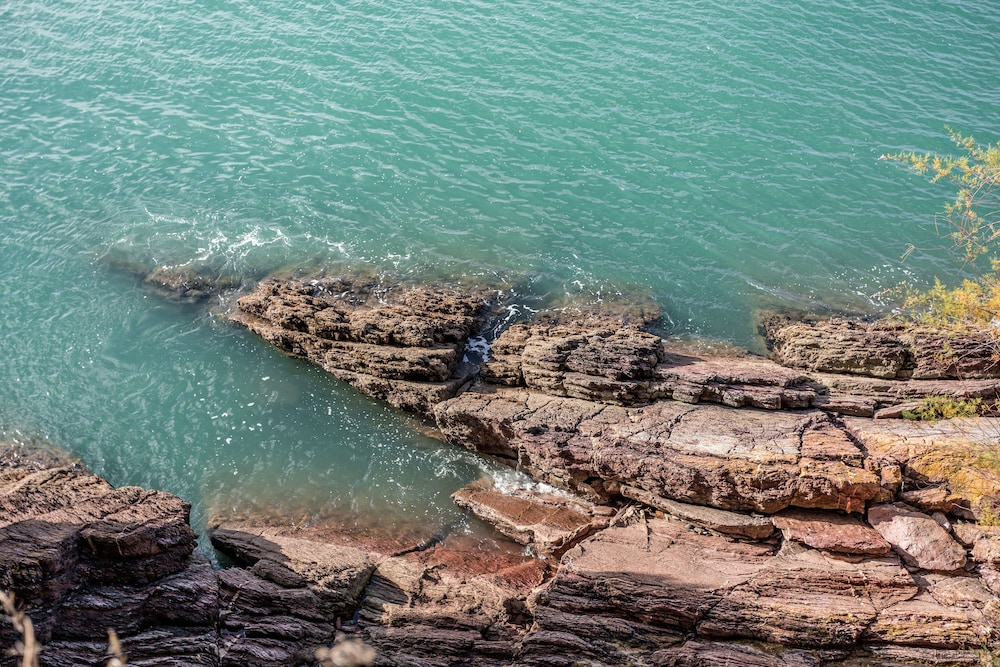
726, 516
84, 556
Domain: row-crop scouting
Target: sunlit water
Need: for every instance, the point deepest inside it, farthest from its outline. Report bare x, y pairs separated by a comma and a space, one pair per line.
719, 157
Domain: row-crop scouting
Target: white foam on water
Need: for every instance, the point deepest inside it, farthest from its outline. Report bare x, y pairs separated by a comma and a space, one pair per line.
477, 350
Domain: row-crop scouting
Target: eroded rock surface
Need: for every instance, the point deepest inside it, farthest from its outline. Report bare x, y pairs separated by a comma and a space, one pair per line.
882, 349
705, 455
84, 556
401, 344
724, 515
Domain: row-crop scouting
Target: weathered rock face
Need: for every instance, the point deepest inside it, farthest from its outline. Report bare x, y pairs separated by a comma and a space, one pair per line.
882, 350
84, 557
289, 597
622, 365
670, 557
946, 466
404, 345
707, 455
450, 605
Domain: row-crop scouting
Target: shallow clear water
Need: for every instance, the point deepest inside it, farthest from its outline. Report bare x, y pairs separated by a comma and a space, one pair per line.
720, 158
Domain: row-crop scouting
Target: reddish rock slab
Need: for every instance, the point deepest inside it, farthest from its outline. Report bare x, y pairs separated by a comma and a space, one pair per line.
747, 460
455, 603
831, 532
632, 590
548, 522
917, 538
806, 599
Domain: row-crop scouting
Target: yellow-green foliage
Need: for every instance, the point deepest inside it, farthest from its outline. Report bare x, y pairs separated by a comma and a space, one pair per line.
935, 408
974, 303
974, 216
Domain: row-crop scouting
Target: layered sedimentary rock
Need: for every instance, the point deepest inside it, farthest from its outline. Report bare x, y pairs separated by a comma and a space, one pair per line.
882, 349
84, 556
402, 344
714, 509
732, 447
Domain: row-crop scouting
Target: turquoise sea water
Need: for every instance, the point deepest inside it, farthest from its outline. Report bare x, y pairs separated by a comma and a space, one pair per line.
718, 156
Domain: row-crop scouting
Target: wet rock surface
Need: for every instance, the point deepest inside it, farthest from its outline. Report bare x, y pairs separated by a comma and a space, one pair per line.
713, 509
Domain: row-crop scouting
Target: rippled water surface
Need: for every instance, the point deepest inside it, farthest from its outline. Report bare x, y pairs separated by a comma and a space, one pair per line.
718, 156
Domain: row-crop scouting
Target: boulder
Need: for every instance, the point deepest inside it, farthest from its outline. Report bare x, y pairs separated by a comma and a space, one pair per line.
917, 538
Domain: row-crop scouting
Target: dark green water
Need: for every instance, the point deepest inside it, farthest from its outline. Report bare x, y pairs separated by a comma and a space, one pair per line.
719, 157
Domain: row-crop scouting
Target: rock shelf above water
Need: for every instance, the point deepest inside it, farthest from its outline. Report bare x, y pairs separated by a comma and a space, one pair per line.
722, 509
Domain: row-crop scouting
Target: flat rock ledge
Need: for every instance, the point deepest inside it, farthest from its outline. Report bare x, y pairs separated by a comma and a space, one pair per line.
710, 510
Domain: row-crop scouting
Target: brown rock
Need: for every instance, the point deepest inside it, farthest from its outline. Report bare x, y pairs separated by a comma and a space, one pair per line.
746, 460
334, 575
803, 598
952, 454
987, 550
84, 556
708, 654
550, 523
621, 365
455, 603
925, 622
917, 538
654, 583
733, 524
829, 531
887, 398
401, 344
882, 349
840, 346
632, 590
932, 499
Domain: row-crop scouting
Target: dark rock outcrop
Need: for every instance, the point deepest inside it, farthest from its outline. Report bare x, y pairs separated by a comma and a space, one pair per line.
83, 557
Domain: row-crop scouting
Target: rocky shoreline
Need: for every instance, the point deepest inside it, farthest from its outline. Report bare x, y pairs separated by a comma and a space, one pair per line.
707, 510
